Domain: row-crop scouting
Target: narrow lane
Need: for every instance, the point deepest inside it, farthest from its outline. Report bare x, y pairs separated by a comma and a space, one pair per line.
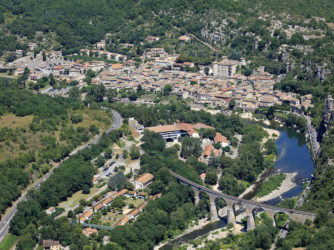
4, 224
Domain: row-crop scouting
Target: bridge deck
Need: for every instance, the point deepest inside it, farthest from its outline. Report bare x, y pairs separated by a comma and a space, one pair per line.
257, 204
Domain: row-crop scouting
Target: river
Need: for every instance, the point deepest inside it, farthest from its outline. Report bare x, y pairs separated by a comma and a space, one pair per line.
293, 156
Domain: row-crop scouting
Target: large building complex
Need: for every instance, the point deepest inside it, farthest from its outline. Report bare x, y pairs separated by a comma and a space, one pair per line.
225, 68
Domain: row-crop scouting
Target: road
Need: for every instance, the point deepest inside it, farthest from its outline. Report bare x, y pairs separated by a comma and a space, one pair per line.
4, 224
312, 132
192, 35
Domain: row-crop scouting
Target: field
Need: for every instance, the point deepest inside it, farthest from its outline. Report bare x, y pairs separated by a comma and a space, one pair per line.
8, 242
73, 201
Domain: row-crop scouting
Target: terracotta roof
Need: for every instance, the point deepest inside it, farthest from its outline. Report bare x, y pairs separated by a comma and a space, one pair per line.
98, 206
88, 214
184, 38
201, 125
188, 128
207, 150
153, 197
134, 212
107, 201
161, 129
117, 66
122, 221
58, 67
228, 62
145, 178
82, 219
120, 193
220, 138
142, 206
88, 231
51, 209
175, 127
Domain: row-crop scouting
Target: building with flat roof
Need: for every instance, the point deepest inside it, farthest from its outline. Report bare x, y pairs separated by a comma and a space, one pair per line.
175, 131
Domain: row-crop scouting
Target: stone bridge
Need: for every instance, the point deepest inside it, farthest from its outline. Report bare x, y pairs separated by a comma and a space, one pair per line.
250, 207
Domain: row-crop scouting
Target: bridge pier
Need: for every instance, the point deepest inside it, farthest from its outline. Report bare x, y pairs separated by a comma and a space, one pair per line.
230, 216
196, 191
250, 223
300, 216
213, 208
229, 203
271, 214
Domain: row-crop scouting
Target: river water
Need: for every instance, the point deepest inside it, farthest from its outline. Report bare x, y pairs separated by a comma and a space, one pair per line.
293, 156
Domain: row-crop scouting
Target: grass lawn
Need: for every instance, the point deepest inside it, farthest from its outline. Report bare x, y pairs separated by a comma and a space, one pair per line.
13, 121
111, 218
8, 242
271, 184
136, 202
73, 201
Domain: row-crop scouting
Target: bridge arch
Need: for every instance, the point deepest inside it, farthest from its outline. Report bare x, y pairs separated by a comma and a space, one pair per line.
235, 202
280, 219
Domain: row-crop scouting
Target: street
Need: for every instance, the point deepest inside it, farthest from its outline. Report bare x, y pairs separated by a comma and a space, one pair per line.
4, 224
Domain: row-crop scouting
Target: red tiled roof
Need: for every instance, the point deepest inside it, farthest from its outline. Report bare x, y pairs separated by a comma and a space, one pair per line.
220, 138
207, 150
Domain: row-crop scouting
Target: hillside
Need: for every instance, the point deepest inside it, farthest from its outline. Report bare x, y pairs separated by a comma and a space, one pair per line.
36, 132
292, 39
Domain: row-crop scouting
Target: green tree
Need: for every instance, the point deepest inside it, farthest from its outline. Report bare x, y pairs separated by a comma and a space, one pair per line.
153, 142
231, 104
134, 152
125, 154
116, 180
167, 89
209, 133
206, 70
43, 56
211, 178
108, 153
229, 185
52, 80
190, 147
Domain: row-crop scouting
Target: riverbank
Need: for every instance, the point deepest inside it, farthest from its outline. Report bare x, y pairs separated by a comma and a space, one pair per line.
273, 134
201, 223
215, 235
249, 116
287, 184
251, 188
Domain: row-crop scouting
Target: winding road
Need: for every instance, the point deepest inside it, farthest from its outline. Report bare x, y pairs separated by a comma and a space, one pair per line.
4, 224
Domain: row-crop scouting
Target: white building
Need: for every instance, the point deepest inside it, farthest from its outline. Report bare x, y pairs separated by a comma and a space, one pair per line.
225, 68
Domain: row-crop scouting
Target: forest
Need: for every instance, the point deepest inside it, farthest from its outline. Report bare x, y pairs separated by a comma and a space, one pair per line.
71, 176
28, 151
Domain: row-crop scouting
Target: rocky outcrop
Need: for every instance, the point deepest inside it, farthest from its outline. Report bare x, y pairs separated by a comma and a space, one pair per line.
327, 116
328, 111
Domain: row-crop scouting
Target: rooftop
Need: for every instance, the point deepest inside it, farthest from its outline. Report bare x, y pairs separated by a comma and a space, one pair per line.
145, 178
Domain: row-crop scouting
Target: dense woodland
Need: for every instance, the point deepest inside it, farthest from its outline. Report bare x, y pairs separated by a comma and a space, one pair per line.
51, 117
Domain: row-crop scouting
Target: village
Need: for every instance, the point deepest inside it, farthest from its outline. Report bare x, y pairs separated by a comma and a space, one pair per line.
212, 86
